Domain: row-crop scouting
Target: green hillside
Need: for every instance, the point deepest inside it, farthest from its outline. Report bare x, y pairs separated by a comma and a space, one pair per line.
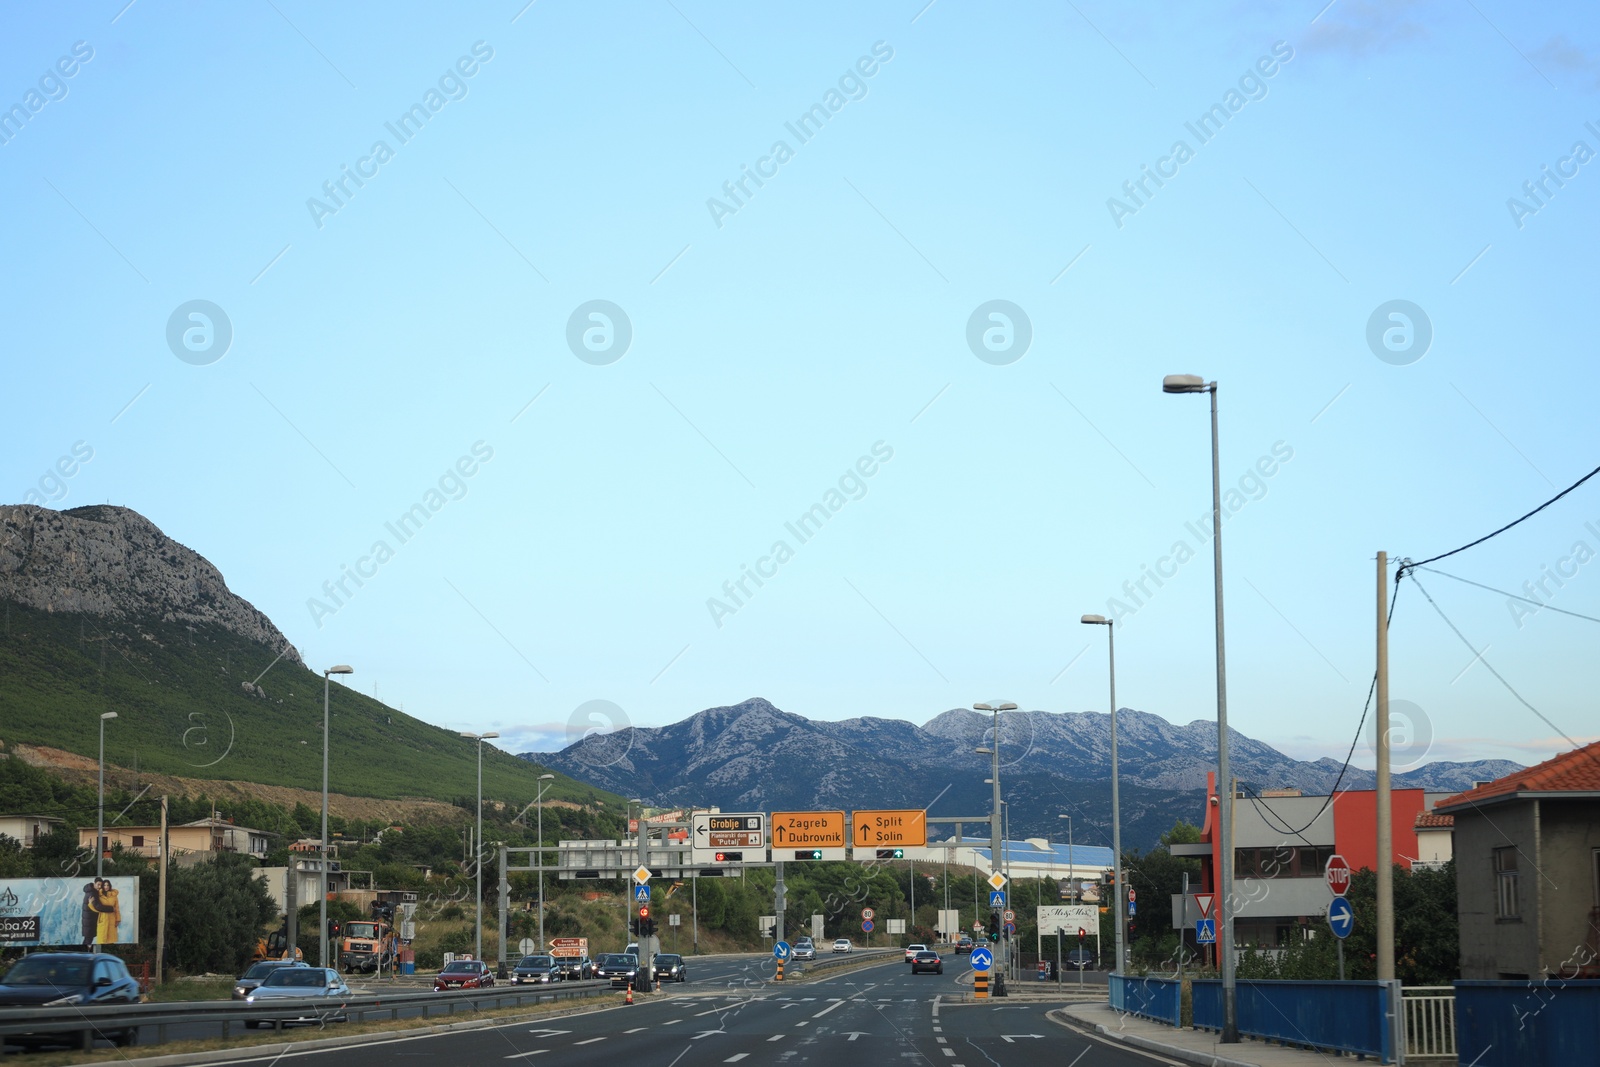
182, 711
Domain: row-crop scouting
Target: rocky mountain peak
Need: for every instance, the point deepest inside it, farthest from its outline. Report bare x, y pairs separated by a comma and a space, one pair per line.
115, 563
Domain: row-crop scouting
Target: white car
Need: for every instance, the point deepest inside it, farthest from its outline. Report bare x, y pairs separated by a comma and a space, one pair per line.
912, 950
842, 945
804, 949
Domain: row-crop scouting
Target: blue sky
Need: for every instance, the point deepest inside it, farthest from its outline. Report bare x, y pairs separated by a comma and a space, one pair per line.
812, 335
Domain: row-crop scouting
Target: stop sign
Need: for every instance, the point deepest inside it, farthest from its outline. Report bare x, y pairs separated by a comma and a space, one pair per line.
1337, 874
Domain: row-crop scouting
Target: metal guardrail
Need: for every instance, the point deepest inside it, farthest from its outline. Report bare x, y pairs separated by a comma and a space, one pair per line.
1537, 1023
1430, 1012
1160, 999
88, 1022
1362, 1017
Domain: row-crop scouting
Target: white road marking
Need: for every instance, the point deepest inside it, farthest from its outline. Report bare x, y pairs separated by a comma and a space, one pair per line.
949, 1052
803, 1022
520, 1055
774, 1037
672, 1022
590, 1041
942, 1040
736, 1057
636, 1029
836, 1004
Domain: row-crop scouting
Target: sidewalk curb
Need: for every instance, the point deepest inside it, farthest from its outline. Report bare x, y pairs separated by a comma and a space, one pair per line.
1061, 1018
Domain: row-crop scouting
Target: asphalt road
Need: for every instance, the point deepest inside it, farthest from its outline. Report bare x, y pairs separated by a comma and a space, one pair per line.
879, 1014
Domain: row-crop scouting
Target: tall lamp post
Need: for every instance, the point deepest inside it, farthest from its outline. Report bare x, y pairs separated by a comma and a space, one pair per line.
322, 847
1072, 878
1193, 383
993, 752
477, 860
100, 815
1116, 802
538, 802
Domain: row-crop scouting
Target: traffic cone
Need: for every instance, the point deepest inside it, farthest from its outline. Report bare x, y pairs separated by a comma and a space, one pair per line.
629, 999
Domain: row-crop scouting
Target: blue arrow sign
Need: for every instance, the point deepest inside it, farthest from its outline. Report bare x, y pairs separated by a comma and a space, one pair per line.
997, 899
866, 926
781, 950
1341, 917
982, 959
1205, 931
641, 893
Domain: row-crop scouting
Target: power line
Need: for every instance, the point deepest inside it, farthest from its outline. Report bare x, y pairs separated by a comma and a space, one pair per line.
1502, 592
1473, 544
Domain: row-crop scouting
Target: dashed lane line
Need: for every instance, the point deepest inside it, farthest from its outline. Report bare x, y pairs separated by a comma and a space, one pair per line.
523, 1055
590, 1041
736, 1057
774, 1037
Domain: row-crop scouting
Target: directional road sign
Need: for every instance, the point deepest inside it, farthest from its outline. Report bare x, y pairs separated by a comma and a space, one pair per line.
866, 926
1205, 931
641, 893
713, 833
982, 959
1337, 874
871, 829
808, 829
997, 899
996, 880
781, 950
1341, 917
1204, 900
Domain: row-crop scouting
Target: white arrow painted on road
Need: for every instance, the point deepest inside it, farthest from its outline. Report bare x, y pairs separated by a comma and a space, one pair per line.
853, 1034
1012, 1038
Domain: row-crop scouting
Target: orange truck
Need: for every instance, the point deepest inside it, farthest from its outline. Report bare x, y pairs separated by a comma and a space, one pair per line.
368, 945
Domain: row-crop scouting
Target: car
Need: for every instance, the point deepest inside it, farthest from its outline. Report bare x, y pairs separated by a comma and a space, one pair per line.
536, 970
59, 979
618, 968
300, 983
804, 949
1079, 959
463, 974
842, 945
964, 946
669, 967
912, 950
633, 947
575, 968
927, 960
247, 982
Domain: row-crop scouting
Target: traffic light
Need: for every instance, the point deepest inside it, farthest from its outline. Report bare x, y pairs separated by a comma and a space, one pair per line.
772, 931
808, 854
633, 926
994, 926
649, 927
333, 928
891, 853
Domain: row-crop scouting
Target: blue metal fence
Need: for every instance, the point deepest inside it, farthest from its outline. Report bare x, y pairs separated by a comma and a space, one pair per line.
1359, 1017
1160, 999
1527, 1024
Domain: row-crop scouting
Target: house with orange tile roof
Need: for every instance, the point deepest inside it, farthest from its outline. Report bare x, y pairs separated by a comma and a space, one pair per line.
1527, 852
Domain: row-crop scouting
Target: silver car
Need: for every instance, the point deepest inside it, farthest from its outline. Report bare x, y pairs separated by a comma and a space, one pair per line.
300, 983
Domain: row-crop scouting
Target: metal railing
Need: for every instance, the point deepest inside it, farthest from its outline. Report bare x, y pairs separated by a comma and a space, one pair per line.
88, 1023
1537, 1023
1430, 1012
1160, 999
1359, 1017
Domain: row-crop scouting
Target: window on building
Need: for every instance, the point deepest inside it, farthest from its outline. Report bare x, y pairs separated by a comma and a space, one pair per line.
138, 841
1507, 888
1282, 861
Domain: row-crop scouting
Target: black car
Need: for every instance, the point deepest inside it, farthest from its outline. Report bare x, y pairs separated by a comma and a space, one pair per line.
963, 946
927, 960
1079, 959
619, 968
669, 967
575, 968
536, 970
60, 979
247, 982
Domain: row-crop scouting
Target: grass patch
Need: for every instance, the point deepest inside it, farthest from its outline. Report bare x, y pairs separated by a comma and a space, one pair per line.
185, 989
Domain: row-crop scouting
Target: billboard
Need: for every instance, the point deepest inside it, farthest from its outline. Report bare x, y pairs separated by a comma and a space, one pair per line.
69, 911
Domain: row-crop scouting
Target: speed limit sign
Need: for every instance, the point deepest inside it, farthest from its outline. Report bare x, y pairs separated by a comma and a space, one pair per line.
867, 914
1011, 916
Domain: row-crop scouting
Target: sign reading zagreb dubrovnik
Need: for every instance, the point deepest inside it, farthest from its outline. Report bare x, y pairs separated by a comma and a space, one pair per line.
69, 911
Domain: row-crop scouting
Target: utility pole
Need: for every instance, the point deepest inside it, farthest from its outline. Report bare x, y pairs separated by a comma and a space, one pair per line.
161, 896
1385, 822
777, 902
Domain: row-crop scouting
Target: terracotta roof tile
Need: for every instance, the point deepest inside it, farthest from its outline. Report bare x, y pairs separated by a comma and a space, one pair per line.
1577, 771
1427, 820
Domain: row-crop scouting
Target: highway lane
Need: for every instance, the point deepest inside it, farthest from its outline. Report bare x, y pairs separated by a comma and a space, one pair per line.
878, 1014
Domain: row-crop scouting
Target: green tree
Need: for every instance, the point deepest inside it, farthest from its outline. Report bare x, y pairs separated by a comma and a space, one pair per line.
216, 912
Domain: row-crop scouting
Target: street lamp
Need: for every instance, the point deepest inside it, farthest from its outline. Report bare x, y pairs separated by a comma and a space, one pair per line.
1072, 880
993, 752
322, 847
100, 815
477, 858
1116, 801
537, 798
1193, 383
